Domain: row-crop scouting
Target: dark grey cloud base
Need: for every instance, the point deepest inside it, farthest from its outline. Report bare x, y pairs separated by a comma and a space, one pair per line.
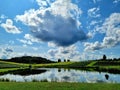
59, 30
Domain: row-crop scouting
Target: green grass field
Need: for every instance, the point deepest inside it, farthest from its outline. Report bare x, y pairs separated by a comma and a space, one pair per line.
57, 86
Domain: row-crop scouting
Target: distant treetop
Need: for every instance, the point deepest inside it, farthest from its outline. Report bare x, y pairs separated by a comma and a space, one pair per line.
104, 57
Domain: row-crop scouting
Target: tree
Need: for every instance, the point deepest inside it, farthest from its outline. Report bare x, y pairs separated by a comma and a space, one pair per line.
59, 60
68, 60
104, 57
64, 60
114, 59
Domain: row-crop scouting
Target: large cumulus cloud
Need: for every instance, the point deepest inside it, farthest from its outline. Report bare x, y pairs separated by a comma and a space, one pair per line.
62, 31
59, 23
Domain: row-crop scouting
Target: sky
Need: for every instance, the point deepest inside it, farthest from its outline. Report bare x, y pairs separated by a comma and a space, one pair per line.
66, 29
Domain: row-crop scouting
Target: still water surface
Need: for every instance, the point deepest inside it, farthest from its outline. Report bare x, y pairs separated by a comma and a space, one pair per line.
65, 75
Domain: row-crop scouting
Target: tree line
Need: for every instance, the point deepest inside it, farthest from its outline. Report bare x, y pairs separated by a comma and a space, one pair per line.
30, 60
68, 60
105, 58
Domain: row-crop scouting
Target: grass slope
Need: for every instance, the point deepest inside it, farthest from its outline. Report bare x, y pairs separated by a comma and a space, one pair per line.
5, 64
10, 66
57, 86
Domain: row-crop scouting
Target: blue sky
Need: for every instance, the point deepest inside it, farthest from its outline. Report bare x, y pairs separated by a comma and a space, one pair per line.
66, 29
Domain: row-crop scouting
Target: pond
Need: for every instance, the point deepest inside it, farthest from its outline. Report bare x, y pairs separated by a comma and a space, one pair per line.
63, 75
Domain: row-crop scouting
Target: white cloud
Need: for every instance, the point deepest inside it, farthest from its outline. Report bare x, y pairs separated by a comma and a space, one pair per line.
93, 27
3, 16
35, 48
116, 1
9, 51
92, 46
6, 52
71, 53
95, 1
29, 40
65, 8
10, 28
94, 12
111, 28
25, 41
90, 56
57, 23
65, 53
50, 44
93, 22
44, 3
60, 7
30, 18
29, 37
110, 41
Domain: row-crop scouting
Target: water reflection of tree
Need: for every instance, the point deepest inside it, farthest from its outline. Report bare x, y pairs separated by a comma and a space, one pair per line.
65, 70
106, 76
68, 69
59, 69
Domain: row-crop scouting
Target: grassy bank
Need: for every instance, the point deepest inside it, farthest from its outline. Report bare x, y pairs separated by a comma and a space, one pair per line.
57, 86
11, 66
86, 64
104, 65
5, 64
101, 66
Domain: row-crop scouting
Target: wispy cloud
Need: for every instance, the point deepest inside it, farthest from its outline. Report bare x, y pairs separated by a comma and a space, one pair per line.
94, 12
95, 1
116, 1
25, 41
3, 16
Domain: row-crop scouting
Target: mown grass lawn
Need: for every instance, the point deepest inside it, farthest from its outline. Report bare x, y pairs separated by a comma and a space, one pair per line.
57, 86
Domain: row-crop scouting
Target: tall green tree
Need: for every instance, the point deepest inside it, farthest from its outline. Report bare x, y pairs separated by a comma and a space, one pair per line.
104, 57
59, 60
